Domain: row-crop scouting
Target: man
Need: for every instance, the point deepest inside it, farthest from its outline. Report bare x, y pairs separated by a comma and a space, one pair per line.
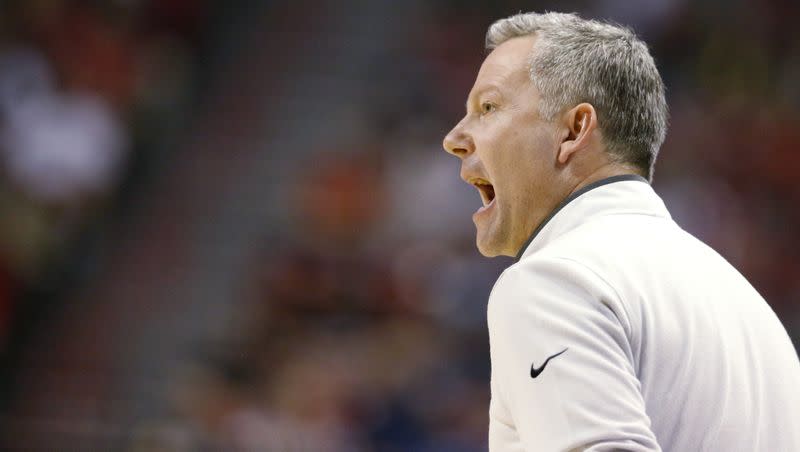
615, 329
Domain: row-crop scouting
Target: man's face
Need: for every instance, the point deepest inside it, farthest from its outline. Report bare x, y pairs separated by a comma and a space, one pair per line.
507, 150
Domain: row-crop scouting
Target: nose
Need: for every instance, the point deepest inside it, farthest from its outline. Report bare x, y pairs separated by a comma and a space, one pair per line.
458, 142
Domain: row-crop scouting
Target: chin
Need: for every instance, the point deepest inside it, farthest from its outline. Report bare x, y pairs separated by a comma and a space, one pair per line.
492, 238
488, 248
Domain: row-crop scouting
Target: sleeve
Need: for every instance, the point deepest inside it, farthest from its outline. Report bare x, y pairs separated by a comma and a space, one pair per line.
562, 366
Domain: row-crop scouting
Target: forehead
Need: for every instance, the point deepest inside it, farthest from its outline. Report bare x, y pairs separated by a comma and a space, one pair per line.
507, 65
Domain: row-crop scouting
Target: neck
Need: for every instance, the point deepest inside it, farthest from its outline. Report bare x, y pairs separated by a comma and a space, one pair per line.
602, 172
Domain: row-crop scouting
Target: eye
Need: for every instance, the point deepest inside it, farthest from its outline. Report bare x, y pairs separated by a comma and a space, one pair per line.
487, 107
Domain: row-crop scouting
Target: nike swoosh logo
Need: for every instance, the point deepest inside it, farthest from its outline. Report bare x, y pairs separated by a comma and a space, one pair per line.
535, 372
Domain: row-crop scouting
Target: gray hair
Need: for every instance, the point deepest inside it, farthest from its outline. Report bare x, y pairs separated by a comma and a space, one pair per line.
578, 60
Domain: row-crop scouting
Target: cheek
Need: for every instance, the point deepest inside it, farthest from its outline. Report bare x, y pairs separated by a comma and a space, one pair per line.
515, 144
528, 167
529, 153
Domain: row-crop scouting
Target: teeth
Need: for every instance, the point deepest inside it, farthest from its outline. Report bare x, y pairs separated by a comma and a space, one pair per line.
484, 188
483, 193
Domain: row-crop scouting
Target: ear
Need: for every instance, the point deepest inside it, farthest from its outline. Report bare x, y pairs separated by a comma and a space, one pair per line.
580, 122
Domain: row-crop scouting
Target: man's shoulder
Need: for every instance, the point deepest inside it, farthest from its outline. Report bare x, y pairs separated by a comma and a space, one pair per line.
628, 260
602, 262
600, 244
620, 233
615, 246
540, 275
554, 289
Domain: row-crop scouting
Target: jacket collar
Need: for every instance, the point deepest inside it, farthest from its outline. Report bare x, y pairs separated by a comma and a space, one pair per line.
627, 193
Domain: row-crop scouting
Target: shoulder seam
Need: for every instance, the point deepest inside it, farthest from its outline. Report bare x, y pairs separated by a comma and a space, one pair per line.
623, 302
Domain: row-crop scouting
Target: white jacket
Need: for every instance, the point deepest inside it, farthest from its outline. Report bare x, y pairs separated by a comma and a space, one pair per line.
665, 345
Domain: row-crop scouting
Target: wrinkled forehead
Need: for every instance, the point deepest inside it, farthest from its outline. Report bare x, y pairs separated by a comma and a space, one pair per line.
508, 65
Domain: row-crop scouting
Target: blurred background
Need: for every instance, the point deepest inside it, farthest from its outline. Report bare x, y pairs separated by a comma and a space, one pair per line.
231, 225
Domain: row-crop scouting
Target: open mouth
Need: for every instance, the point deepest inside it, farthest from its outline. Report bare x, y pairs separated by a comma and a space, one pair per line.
486, 190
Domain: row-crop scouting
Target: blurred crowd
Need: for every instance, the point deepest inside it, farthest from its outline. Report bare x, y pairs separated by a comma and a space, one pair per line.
86, 91
361, 322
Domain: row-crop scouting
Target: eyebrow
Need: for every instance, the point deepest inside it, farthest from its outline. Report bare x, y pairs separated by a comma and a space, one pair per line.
482, 90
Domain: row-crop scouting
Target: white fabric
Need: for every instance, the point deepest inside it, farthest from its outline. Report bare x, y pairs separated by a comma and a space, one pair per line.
59, 148
668, 346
